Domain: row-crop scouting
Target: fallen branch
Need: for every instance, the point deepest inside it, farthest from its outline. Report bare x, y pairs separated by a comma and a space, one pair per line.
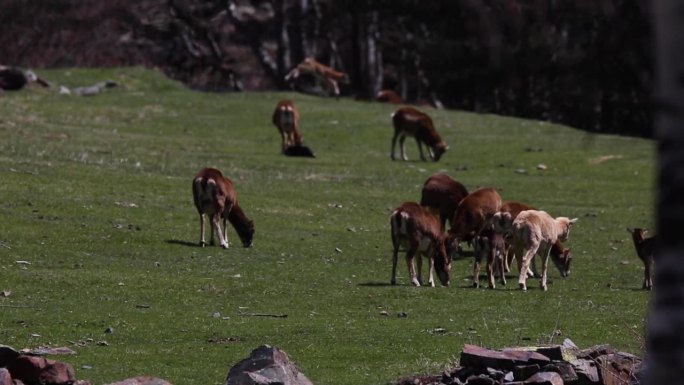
264, 315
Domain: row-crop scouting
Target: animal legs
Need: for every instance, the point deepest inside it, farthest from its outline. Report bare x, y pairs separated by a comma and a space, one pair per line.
225, 232
410, 254
491, 258
402, 148
216, 227
395, 256
544, 255
420, 267
431, 280
394, 144
501, 263
202, 243
420, 149
648, 280
476, 269
525, 266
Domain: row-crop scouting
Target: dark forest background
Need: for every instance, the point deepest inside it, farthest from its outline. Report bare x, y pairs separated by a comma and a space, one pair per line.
585, 63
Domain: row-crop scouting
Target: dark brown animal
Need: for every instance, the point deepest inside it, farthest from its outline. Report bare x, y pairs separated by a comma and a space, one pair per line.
442, 194
408, 121
472, 214
215, 197
504, 226
415, 229
388, 96
14, 79
286, 119
488, 244
644, 248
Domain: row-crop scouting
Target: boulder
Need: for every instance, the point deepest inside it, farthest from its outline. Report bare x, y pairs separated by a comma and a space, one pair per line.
554, 352
587, 372
619, 368
480, 380
37, 370
5, 378
595, 351
565, 369
7, 355
476, 356
266, 365
523, 372
545, 378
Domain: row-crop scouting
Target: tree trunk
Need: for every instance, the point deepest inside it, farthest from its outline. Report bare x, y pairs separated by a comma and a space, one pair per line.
283, 60
304, 27
371, 86
665, 340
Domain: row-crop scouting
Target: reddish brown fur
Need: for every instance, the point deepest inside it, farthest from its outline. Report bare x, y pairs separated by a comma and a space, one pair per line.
418, 231
442, 194
644, 247
472, 214
286, 119
408, 121
388, 96
321, 72
215, 196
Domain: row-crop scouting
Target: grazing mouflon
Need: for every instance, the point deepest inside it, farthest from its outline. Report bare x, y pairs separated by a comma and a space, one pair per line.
536, 232
644, 247
215, 197
418, 231
408, 121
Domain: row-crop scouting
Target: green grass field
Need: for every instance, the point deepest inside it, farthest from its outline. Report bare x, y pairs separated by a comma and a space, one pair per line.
96, 196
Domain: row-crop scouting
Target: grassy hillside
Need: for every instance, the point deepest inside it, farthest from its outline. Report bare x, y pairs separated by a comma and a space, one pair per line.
96, 198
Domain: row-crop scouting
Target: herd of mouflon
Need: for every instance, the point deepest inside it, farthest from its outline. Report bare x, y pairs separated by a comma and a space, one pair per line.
498, 231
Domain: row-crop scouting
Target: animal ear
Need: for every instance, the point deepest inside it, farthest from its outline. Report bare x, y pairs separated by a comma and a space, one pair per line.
573, 220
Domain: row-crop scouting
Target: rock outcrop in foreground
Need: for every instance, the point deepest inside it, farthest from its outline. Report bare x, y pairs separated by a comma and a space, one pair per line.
547, 365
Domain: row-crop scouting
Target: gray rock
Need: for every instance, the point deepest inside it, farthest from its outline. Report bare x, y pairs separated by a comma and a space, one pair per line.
7, 355
5, 377
587, 372
479, 357
545, 378
266, 365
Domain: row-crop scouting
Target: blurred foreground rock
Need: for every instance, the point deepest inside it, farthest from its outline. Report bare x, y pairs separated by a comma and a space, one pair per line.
548, 365
27, 368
